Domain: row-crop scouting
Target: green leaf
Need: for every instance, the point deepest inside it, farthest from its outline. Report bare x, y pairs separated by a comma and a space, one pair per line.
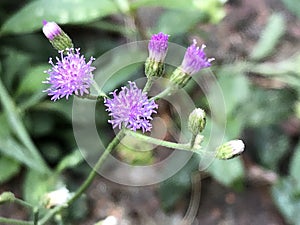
19, 129
8, 168
271, 145
175, 4
174, 188
30, 17
295, 167
227, 172
36, 185
170, 20
70, 161
293, 6
287, 201
32, 81
270, 37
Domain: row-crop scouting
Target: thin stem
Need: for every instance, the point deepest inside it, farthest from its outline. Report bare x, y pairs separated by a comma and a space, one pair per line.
4, 220
168, 144
193, 140
23, 203
35, 216
168, 91
98, 89
90, 178
148, 84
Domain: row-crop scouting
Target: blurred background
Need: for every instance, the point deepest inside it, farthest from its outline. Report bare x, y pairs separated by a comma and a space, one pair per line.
256, 46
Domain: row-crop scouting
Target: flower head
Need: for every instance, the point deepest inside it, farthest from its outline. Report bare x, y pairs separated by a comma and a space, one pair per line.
57, 197
230, 149
70, 75
197, 121
158, 47
131, 108
195, 59
57, 37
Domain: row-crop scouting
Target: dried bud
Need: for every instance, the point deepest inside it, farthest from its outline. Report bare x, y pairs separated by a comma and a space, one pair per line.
57, 37
197, 121
230, 149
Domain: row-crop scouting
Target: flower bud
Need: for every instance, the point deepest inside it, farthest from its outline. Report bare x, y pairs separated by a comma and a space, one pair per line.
57, 197
197, 121
194, 60
6, 197
230, 149
158, 47
57, 37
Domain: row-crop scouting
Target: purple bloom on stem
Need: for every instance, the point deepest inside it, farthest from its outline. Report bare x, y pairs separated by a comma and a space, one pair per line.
70, 75
158, 47
195, 59
51, 29
131, 108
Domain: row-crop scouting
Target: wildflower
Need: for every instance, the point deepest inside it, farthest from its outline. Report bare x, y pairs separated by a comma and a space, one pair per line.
130, 108
57, 197
57, 37
157, 47
70, 75
194, 60
197, 121
230, 149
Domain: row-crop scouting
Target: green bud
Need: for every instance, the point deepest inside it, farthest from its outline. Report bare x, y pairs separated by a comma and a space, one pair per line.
180, 78
230, 149
6, 197
197, 121
154, 68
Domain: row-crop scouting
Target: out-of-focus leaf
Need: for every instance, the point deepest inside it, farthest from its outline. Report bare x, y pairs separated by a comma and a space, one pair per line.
175, 4
32, 80
264, 107
18, 128
227, 172
293, 6
271, 145
174, 188
170, 20
287, 200
8, 168
30, 17
269, 37
295, 167
70, 161
36, 185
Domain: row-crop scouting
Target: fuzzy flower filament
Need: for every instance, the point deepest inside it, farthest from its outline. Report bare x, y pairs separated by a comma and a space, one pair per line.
194, 60
157, 47
70, 75
130, 108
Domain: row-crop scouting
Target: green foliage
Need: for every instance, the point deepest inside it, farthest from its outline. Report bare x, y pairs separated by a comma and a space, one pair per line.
8, 168
70, 161
293, 6
295, 168
30, 17
270, 37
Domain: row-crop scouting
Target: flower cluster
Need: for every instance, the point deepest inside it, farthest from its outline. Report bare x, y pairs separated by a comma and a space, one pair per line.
70, 75
130, 108
158, 47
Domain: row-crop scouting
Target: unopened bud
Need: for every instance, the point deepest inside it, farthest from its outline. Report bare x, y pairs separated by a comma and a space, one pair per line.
230, 149
6, 197
57, 37
56, 198
197, 121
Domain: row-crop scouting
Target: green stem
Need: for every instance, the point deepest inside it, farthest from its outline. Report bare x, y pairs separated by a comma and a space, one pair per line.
89, 180
23, 203
148, 84
168, 144
98, 89
168, 91
4, 220
35, 216
193, 140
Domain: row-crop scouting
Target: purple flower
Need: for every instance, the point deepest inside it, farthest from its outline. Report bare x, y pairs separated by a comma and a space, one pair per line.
71, 74
131, 108
195, 59
158, 47
51, 29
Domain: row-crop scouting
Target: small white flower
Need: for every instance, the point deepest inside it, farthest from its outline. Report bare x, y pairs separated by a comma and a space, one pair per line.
57, 197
